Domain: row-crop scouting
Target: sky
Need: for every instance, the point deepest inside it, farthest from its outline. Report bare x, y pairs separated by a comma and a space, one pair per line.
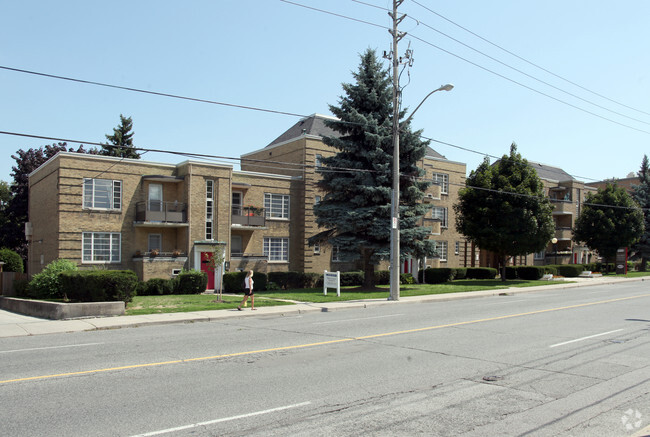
586, 110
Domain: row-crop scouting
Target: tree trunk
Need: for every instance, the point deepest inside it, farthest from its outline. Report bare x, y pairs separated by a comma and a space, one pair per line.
368, 270
644, 260
502, 260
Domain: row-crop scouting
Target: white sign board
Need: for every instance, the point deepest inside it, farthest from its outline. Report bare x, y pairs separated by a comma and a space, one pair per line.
332, 280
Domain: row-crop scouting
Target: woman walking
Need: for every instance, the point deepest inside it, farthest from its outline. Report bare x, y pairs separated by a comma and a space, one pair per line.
248, 291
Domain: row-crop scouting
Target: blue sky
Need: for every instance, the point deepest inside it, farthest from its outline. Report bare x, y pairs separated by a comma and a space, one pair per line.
277, 56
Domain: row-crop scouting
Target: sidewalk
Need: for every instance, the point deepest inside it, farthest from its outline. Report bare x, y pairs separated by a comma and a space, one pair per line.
17, 325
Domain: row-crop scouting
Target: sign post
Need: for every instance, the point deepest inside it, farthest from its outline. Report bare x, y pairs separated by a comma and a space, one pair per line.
332, 280
621, 261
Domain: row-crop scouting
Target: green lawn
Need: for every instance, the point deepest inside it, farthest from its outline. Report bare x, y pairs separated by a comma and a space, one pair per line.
203, 302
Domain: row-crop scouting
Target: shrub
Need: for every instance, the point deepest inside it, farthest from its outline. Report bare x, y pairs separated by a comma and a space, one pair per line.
439, 275
191, 282
280, 278
406, 278
233, 282
550, 270
461, 273
511, 272
13, 261
289, 280
351, 278
531, 273
570, 270
46, 284
100, 285
156, 287
382, 277
481, 273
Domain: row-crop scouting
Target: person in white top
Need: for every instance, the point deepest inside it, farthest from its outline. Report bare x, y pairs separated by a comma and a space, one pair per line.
248, 291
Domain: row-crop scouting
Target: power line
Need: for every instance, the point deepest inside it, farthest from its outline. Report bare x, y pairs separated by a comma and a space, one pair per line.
155, 93
527, 61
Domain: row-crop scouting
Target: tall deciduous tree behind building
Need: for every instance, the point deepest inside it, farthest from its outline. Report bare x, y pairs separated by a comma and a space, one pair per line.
503, 208
610, 220
121, 142
12, 233
641, 193
356, 209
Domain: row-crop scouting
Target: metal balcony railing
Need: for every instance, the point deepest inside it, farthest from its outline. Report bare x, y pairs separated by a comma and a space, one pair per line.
163, 212
248, 216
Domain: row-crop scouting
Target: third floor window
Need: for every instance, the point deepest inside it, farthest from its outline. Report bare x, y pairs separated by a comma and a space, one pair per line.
102, 194
276, 205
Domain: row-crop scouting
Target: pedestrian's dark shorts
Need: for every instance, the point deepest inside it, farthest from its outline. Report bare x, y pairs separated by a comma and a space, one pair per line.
248, 292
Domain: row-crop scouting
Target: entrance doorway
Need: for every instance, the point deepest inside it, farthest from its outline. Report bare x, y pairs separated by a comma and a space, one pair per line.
207, 267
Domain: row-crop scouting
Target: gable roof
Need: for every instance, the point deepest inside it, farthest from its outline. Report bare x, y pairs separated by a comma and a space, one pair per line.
314, 125
548, 172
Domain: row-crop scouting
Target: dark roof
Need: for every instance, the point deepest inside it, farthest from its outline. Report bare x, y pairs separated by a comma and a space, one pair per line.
547, 172
315, 125
312, 125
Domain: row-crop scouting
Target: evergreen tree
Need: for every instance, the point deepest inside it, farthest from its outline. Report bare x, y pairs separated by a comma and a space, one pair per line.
356, 209
121, 142
503, 208
641, 193
610, 220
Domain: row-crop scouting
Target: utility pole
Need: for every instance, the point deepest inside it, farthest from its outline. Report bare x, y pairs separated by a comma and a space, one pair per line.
394, 235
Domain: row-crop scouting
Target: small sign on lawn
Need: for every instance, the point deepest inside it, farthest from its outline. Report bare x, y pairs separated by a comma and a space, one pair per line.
332, 280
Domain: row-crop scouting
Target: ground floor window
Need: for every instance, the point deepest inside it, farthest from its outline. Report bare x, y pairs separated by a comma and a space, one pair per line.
101, 247
441, 250
276, 249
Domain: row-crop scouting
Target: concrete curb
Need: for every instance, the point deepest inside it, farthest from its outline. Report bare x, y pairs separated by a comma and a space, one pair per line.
18, 325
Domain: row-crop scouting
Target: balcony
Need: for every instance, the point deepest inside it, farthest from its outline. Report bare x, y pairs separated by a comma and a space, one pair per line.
156, 212
248, 216
563, 233
563, 207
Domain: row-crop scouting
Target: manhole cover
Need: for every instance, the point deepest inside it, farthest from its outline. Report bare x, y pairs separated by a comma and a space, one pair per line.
492, 378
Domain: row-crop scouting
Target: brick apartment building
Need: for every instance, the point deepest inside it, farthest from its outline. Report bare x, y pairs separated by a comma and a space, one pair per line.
156, 219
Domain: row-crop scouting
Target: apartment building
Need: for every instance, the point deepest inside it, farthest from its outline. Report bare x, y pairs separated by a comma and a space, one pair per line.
156, 219
566, 195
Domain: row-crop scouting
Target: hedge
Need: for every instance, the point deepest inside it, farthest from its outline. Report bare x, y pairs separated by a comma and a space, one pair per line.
46, 284
511, 272
531, 273
156, 287
568, 270
99, 285
13, 261
438, 275
481, 273
293, 280
190, 282
233, 282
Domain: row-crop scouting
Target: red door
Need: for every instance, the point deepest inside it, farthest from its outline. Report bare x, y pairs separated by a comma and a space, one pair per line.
206, 266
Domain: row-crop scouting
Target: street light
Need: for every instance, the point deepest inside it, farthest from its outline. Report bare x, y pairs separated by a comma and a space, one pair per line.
394, 236
554, 241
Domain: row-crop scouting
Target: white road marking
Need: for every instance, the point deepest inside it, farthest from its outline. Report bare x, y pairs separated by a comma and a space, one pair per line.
224, 419
355, 320
585, 338
49, 347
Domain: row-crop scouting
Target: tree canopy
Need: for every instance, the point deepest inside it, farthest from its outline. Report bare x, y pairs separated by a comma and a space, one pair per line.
356, 209
121, 142
503, 208
641, 194
609, 220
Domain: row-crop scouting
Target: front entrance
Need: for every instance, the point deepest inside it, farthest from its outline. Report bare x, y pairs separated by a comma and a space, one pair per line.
208, 267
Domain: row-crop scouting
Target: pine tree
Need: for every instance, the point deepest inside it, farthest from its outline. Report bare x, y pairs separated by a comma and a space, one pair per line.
641, 193
503, 208
121, 142
356, 208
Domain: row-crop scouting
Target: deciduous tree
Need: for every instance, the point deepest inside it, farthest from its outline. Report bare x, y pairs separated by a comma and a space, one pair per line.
641, 193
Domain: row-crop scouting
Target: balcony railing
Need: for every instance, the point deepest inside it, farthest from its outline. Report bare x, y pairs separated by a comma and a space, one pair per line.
163, 212
563, 207
248, 216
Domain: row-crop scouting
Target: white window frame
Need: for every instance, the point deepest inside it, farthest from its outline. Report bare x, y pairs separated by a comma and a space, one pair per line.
316, 249
277, 206
440, 213
336, 252
276, 249
209, 209
442, 250
442, 179
540, 255
318, 160
457, 248
90, 188
90, 250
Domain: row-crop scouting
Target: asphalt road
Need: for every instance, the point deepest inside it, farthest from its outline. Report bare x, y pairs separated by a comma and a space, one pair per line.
572, 362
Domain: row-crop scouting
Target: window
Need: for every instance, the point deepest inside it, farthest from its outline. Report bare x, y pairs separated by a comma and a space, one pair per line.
102, 194
457, 248
276, 249
442, 179
155, 242
440, 213
276, 205
317, 200
209, 210
336, 254
441, 250
101, 247
316, 249
318, 160
540, 255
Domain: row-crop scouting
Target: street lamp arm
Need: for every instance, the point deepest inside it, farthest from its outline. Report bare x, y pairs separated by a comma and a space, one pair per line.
447, 87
